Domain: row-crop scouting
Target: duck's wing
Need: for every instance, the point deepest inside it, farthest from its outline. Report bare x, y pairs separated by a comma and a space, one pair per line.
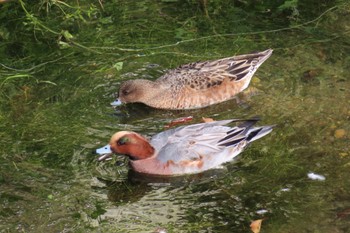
204, 75
194, 142
194, 145
161, 139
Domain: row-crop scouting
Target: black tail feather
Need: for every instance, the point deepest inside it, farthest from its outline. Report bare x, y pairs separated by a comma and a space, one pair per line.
244, 132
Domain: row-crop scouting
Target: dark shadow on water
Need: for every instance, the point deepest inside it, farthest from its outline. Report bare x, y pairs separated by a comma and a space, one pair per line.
136, 111
137, 185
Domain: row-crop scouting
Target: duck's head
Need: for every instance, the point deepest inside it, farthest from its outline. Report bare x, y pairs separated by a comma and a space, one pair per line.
130, 91
128, 143
135, 91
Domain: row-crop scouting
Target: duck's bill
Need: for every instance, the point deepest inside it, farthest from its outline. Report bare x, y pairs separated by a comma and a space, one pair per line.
105, 153
116, 103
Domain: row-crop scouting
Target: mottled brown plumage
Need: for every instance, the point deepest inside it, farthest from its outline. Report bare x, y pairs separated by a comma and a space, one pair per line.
195, 85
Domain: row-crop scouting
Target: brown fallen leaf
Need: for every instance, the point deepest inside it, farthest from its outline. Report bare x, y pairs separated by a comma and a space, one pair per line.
177, 121
344, 213
256, 225
207, 119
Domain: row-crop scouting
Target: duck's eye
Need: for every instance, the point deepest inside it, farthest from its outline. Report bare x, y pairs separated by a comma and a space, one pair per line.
126, 92
122, 141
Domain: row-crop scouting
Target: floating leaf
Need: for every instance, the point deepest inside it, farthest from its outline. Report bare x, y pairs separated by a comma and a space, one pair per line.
339, 133
178, 121
256, 225
118, 66
66, 34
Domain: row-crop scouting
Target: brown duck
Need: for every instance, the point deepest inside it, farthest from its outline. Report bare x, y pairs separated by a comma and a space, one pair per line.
194, 85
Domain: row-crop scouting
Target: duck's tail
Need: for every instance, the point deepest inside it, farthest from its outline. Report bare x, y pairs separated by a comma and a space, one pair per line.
258, 132
245, 132
244, 66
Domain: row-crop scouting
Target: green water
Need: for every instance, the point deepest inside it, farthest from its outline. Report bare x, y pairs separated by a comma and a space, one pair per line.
62, 62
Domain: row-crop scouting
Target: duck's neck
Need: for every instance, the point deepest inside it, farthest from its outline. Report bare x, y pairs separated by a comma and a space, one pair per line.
150, 89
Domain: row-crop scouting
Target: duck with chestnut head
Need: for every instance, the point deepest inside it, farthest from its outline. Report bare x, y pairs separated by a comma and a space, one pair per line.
186, 149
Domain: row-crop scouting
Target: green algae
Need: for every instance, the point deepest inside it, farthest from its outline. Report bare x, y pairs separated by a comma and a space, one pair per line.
62, 62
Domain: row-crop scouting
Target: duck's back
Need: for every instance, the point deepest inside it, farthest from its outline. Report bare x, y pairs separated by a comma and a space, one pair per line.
200, 84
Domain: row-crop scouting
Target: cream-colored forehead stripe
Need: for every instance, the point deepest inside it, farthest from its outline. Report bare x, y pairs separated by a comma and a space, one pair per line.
119, 134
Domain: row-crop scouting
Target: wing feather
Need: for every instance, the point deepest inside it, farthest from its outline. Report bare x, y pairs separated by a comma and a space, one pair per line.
204, 75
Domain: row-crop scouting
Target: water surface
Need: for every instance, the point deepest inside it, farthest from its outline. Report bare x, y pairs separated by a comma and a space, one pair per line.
61, 64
